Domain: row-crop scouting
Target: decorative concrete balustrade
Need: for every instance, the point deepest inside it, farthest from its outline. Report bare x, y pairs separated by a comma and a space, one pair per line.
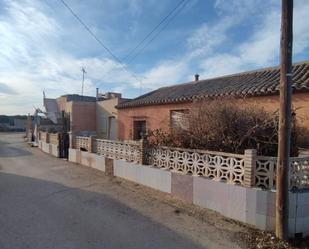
43, 136
131, 151
265, 172
49, 143
82, 143
299, 175
246, 169
54, 138
218, 166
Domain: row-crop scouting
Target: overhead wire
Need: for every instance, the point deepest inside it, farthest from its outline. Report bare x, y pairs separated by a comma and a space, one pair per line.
153, 30
169, 17
98, 40
160, 30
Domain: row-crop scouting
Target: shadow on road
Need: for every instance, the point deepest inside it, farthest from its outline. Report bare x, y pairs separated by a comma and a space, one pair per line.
36, 213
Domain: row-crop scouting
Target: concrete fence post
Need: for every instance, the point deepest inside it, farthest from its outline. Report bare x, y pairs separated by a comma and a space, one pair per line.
144, 145
72, 139
249, 167
47, 137
91, 144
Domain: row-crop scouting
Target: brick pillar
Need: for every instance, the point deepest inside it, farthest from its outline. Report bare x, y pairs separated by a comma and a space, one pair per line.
144, 145
250, 164
91, 144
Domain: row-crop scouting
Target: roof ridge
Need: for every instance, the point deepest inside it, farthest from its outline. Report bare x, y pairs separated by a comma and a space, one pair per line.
261, 81
234, 74
256, 70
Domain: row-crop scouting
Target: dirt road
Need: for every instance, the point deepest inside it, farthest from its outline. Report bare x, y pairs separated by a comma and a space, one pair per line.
47, 202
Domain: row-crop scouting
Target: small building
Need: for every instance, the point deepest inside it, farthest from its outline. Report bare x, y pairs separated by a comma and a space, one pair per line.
107, 115
164, 107
88, 115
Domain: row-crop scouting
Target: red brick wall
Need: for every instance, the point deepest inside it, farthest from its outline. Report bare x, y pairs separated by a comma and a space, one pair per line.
159, 116
156, 117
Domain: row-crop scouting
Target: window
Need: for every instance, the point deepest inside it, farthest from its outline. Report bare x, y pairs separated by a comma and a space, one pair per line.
139, 129
179, 119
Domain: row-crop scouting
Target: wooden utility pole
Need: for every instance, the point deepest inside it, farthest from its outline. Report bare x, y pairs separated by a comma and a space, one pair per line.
283, 162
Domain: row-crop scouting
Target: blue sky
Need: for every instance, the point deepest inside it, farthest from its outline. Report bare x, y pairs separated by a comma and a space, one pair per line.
43, 47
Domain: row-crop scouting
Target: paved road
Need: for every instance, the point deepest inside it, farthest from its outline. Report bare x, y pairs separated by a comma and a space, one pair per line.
48, 203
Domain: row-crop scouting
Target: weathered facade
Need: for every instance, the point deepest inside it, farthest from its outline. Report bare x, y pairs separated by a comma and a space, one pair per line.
107, 117
88, 115
82, 112
259, 88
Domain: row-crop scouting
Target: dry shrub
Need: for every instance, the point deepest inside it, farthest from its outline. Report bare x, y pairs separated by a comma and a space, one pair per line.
223, 125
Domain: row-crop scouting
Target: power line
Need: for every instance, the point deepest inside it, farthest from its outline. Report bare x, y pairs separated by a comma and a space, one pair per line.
160, 30
90, 32
153, 30
98, 40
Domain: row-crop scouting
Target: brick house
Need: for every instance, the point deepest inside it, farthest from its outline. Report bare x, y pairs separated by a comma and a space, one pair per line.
88, 115
80, 109
163, 107
107, 115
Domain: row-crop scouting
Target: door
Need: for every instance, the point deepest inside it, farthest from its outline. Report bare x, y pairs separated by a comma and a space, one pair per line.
139, 129
64, 145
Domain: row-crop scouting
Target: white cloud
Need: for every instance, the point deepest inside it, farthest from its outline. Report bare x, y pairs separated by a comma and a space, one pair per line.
31, 61
207, 37
33, 56
261, 49
165, 73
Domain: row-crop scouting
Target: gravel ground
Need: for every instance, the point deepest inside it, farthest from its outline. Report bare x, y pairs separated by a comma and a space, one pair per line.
47, 202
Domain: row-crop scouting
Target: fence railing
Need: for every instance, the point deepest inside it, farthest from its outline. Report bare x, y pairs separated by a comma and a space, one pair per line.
43, 136
265, 172
218, 166
299, 174
246, 169
130, 151
82, 143
54, 138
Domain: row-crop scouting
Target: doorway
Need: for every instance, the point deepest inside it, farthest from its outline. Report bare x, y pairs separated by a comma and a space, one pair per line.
139, 129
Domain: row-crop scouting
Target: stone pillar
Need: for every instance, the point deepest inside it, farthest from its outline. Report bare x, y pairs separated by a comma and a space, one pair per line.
249, 166
91, 144
143, 147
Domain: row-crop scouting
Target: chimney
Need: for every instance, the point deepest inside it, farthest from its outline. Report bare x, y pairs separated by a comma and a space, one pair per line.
196, 77
97, 94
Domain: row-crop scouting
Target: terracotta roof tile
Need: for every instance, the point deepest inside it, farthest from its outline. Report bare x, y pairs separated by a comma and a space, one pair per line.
253, 83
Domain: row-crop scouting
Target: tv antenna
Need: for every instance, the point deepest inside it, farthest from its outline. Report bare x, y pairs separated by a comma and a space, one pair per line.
84, 71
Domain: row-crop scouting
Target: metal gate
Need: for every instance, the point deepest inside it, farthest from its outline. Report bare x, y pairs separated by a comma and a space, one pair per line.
64, 144
64, 139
